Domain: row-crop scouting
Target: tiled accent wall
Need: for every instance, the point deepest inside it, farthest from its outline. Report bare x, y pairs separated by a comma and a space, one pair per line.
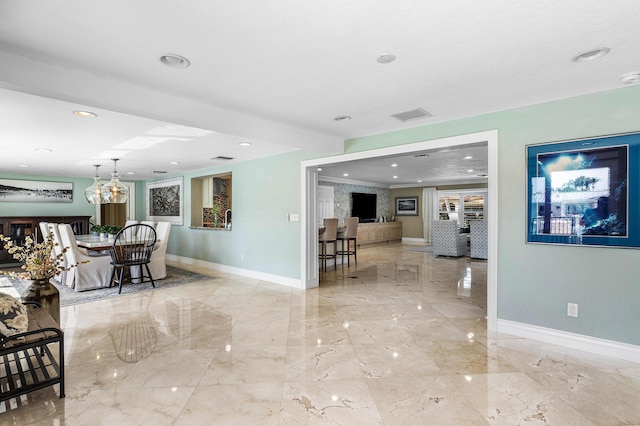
224, 201
342, 199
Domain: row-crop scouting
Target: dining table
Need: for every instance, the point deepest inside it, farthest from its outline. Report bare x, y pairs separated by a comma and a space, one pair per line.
94, 242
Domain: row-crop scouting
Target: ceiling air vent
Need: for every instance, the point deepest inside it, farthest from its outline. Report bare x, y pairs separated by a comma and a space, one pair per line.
159, 172
414, 114
222, 157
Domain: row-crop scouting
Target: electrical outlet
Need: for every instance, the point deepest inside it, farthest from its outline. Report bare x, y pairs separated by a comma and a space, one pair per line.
572, 310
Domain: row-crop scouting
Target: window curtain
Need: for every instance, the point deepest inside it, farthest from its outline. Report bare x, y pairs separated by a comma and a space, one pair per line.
429, 211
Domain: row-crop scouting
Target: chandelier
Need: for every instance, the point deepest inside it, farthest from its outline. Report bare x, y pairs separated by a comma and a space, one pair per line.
93, 194
114, 191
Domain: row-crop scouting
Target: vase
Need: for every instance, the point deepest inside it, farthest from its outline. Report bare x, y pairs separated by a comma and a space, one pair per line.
46, 295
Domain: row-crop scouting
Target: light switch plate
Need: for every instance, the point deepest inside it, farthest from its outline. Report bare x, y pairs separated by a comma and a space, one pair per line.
294, 217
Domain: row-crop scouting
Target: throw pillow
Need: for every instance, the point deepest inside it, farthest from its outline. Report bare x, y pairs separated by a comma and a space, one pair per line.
13, 316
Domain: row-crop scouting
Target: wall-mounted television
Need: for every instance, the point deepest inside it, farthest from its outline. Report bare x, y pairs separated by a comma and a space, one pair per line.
363, 206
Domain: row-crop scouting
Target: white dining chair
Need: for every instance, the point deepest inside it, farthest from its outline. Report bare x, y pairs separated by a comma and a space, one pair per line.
149, 222
158, 263
52, 228
95, 273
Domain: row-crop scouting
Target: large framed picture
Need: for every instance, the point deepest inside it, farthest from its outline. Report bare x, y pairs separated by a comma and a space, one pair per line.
406, 206
583, 192
165, 201
36, 191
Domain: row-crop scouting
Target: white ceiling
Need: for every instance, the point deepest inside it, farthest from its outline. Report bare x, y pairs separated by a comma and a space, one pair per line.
277, 73
466, 164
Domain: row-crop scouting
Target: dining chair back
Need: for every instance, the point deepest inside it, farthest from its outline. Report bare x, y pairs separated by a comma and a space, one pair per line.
87, 272
158, 264
132, 248
329, 236
129, 223
349, 235
44, 230
53, 231
149, 223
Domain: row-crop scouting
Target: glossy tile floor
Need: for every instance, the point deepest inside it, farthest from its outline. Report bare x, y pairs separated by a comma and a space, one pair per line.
399, 340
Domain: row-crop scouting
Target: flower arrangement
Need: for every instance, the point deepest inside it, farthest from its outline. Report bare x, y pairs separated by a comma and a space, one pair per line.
40, 261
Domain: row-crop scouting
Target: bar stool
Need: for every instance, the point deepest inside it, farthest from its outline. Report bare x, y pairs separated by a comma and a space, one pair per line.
328, 236
349, 235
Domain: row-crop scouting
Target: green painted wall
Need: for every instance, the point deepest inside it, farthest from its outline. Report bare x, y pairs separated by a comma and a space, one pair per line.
262, 239
535, 282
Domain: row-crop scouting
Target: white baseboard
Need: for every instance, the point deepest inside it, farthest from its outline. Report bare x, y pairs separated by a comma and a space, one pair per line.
277, 279
418, 241
571, 340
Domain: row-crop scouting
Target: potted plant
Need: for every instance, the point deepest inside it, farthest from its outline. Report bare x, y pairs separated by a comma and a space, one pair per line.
95, 229
104, 230
216, 211
113, 230
40, 264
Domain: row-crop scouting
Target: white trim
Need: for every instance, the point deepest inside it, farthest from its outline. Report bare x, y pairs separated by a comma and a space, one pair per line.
571, 340
415, 241
462, 191
277, 279
308, 171
131, 202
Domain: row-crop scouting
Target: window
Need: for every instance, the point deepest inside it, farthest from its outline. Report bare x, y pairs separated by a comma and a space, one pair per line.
463, 206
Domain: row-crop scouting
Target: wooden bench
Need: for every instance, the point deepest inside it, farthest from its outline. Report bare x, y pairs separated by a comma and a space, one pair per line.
26, 361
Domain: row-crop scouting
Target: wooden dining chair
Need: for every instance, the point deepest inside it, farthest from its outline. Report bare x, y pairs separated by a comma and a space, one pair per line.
132, 248
329, 236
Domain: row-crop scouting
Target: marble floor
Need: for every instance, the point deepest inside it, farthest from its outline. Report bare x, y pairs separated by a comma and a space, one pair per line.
400, 339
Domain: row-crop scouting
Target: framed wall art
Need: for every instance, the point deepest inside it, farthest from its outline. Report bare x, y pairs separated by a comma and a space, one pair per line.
165, 201
406, 206
35, 191
583, 192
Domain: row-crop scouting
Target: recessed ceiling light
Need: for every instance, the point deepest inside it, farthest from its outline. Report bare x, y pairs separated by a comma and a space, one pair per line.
174, 162
590, 55
245, 144
319, 169
470, 171
395, 177
394, 165
386, 59
174, 61
630, 77
24, 166
130, 173
342, 118
345, 174
81, 113
419, 180
468, 157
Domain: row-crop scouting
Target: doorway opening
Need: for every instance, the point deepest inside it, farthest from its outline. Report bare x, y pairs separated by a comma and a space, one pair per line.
309, 188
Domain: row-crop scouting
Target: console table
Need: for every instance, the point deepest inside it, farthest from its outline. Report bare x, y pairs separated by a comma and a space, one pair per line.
379, 233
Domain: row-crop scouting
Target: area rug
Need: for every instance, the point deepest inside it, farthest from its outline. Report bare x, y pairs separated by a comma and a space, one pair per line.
175, 277
423, 249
